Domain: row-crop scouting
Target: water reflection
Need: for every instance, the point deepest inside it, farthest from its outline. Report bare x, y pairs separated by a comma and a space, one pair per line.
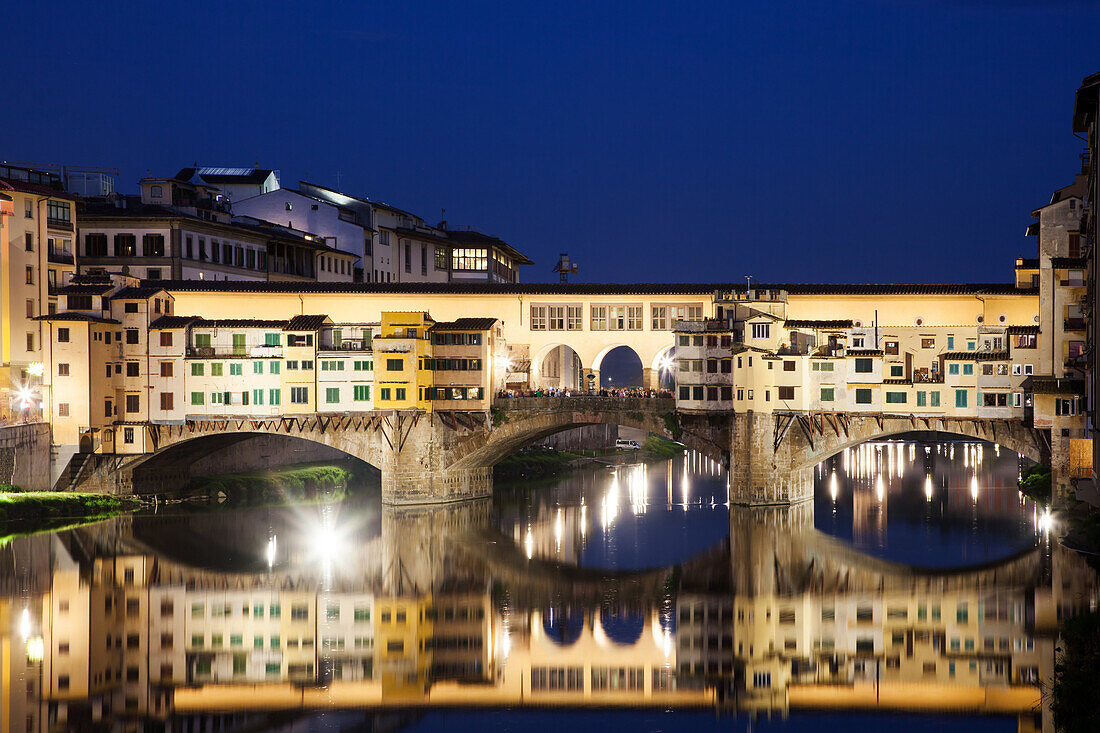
936, 504
625, 516
234, 615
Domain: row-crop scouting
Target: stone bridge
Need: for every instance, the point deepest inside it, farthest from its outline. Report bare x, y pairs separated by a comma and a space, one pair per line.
773, 454
449, 456
423, 457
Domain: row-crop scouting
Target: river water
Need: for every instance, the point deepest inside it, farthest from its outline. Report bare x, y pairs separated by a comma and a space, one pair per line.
918, 590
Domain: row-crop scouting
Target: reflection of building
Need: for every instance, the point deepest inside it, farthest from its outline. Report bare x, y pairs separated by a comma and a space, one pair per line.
779, 618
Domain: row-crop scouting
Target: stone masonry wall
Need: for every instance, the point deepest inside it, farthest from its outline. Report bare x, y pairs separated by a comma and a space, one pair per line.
25, 456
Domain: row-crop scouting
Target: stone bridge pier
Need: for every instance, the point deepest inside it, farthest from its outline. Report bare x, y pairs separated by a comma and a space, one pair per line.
763, 472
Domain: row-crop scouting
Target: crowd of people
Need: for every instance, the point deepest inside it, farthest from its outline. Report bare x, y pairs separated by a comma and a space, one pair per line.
639, 392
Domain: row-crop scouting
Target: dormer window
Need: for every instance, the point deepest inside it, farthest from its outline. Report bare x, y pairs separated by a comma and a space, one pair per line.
156, 191
289, 206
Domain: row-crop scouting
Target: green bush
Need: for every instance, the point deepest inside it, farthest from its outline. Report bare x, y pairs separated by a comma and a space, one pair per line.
661, 447
1036, 482
294, 483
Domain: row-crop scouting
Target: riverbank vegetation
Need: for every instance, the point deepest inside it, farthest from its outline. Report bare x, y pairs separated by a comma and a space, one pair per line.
295, 483
36, 506
1035, 483
539, 462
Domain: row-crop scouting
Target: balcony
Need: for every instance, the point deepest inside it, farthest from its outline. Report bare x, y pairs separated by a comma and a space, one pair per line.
234, 352
346, 346
1075, 324
53, 254
63, 224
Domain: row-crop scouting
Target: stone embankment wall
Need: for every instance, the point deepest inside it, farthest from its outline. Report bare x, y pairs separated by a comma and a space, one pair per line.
25, 456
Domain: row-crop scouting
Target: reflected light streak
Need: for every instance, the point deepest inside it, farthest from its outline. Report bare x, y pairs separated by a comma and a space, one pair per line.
928, 487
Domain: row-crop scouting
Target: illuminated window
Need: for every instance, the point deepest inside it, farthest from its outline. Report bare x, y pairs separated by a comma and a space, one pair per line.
471, 259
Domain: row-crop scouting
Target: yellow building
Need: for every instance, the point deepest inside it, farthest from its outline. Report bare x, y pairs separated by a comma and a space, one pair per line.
403, 355
37, 231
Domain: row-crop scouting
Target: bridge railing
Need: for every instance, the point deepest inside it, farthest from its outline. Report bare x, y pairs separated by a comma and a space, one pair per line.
588, 402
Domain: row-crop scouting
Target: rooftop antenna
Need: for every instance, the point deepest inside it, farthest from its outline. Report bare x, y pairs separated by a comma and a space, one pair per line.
565, 267
338, 174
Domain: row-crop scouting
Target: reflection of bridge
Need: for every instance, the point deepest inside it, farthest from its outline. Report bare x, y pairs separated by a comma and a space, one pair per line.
455, 614
441, 457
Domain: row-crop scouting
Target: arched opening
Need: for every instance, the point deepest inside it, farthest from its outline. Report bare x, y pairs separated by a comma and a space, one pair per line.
928, 498
181, 465
557, 366
563, 626
621, 626
663, 368
619, 366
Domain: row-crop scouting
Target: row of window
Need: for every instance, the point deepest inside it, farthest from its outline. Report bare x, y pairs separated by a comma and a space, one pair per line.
236, 368
609, 317
604, 679
153, 245
865, 396
256, 397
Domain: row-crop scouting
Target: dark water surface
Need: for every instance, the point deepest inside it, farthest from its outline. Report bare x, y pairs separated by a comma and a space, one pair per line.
916, 591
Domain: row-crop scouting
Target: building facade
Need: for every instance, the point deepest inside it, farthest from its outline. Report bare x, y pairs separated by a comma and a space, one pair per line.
123, 360
178, 229
38, 234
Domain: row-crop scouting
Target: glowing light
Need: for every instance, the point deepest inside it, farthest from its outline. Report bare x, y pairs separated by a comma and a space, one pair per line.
559, 529
270, 551
833, 488
504, 362
665, 364
25, 624
36, 649
529, 544
974, 487
36, 369
1045, 521
26, 397
880, 488
928, 487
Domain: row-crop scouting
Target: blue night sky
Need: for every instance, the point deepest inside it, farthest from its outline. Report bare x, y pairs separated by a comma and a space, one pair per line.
876, 141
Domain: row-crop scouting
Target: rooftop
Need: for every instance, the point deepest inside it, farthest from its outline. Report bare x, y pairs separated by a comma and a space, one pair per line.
137, 293
465, 324
225, 175
74, 316
796, 323
1053, 385
305, 323
975, 356
696, 289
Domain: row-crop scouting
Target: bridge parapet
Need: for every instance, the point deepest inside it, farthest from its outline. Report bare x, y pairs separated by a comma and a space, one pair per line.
588, 402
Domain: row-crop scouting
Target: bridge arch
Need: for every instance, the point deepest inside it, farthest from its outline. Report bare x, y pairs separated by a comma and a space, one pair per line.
528, 420
183, 453
565, 376
1018, 439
